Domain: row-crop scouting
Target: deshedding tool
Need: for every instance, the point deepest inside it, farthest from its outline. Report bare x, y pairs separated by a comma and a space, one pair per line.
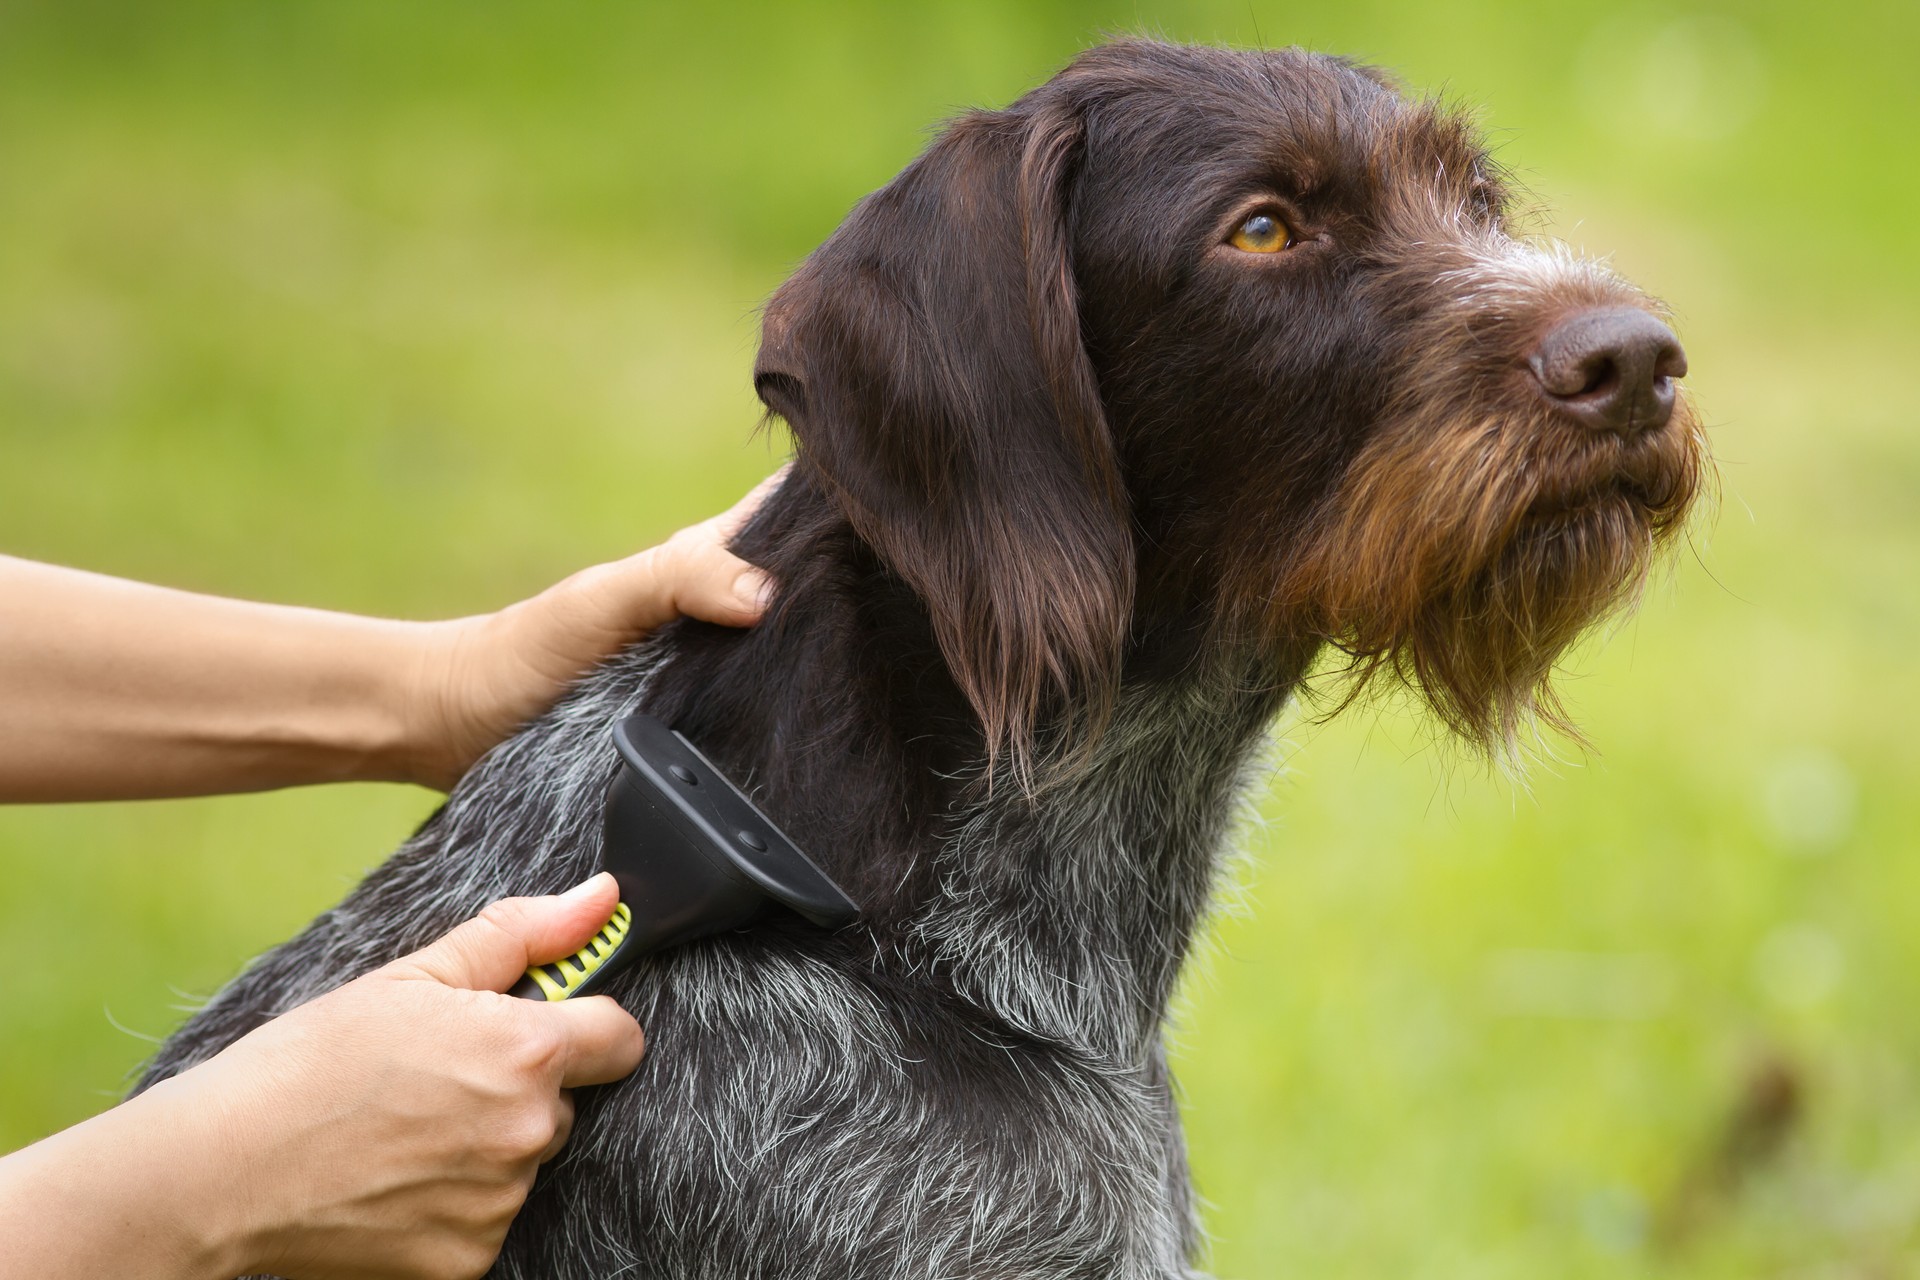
693, 857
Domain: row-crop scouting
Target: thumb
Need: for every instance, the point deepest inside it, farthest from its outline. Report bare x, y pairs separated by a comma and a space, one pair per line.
492, 950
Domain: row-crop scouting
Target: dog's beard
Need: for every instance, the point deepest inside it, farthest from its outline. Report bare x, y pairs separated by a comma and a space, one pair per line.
1462, 558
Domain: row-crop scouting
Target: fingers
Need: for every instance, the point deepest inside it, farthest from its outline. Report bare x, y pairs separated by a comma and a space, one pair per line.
711, 583
600, 1041
562, 1125
706, 579
692, 573
492, 950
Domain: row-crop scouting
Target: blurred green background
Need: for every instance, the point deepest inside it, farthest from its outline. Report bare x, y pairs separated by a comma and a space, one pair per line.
414, 308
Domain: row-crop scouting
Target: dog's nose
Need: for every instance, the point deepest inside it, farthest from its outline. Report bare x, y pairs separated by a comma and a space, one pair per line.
1611, 368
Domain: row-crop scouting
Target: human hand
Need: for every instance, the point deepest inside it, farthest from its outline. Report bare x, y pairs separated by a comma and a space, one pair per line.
478, 679
393, 1127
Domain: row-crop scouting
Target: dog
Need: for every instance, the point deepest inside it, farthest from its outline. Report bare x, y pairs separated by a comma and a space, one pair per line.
1115, 412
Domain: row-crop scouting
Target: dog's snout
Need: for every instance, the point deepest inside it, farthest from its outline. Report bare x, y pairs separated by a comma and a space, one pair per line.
1611, 368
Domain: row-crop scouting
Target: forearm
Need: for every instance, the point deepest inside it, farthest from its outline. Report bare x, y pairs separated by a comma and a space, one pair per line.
116, 689
134, 1192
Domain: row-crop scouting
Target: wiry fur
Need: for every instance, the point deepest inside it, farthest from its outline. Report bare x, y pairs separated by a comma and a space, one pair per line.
1470, 544
1079, 496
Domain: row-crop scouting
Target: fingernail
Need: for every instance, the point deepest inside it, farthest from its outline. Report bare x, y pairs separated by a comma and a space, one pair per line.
754, 590
586, 888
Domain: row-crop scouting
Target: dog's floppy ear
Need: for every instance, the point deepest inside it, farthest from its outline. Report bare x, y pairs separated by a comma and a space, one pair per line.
929, 361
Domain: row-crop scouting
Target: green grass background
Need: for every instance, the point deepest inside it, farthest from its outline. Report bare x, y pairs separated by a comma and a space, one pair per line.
414, 308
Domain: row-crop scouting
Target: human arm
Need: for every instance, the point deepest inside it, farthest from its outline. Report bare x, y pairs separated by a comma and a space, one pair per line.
112, 689
390, 1128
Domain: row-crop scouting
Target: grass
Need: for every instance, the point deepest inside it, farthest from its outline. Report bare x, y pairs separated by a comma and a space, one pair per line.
413, 309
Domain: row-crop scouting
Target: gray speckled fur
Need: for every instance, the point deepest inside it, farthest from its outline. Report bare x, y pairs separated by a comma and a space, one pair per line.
798, 1115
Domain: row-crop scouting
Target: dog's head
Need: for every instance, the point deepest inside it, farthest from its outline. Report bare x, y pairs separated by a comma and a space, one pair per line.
1192, 342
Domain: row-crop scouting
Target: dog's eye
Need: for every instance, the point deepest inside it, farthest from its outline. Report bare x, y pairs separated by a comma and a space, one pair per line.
1261, 233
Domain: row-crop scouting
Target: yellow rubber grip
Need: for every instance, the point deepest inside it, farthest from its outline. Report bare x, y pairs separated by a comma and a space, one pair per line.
564, 977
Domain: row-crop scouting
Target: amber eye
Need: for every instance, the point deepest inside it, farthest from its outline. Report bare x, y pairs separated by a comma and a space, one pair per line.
1261, 233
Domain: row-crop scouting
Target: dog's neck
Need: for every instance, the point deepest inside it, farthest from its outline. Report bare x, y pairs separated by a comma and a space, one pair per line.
1070, 912
1062, 905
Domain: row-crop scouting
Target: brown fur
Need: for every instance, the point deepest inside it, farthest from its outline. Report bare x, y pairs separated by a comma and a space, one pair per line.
1476, 535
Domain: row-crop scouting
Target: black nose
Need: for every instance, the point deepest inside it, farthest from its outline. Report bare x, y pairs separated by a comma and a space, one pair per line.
1613, 369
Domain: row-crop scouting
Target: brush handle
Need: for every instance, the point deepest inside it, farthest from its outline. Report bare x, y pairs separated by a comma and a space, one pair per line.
587, 969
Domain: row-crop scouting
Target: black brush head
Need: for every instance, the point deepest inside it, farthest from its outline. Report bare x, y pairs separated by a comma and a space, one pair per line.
693, 857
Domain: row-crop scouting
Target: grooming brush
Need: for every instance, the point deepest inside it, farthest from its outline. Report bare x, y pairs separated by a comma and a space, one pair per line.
693, 856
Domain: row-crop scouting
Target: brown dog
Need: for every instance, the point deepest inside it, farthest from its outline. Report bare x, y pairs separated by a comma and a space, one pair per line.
1114, 410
